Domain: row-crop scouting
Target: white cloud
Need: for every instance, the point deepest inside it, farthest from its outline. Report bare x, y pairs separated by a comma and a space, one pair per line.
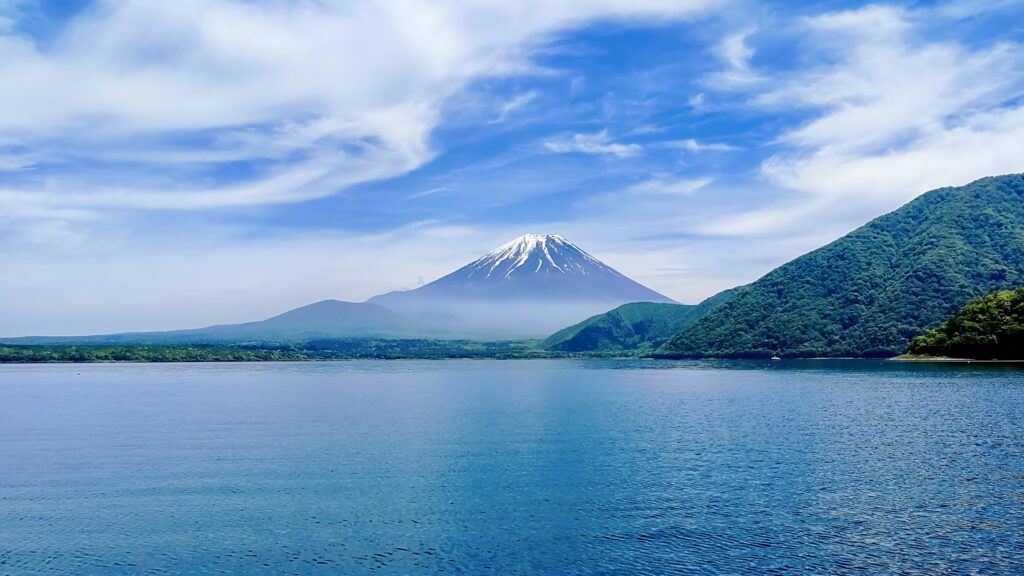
669, 186
736, 54
598, 143
734, 50
891, 117
515, 104
691, 145
986, 144
336, 93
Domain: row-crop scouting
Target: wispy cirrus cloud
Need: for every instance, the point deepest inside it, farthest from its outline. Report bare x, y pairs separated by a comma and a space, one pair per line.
691, 145
321, 95
662, 185
516, 103
597, 143
890, 114
736, 53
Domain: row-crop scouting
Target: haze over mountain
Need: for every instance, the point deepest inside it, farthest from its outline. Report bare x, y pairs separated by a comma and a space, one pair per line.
530, 286
325, 319
872, 291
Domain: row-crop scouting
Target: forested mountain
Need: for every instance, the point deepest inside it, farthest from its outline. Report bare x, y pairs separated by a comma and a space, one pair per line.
872, 291
987, 328
637, 327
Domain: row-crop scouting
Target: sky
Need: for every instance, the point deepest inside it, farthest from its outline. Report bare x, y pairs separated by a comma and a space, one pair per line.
178, 164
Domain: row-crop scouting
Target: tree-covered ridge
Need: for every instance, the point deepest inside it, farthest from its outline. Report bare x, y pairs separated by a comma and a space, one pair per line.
636, 328
630, 327
991, 327
872, 291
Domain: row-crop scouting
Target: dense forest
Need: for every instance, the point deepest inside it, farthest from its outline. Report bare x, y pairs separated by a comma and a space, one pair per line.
872, 291
988, 328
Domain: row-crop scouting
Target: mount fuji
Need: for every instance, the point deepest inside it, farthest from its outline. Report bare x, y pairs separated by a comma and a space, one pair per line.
530, 286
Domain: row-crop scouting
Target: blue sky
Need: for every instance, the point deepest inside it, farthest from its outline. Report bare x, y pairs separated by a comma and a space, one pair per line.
167, 165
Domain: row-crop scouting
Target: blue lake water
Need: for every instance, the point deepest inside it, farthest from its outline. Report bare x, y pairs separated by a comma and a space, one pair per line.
518, 467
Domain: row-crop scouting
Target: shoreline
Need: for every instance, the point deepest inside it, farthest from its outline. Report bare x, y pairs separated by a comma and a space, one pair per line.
950, 360
895, 359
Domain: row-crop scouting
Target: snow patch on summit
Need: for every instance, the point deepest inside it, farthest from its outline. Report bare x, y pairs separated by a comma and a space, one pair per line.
552, 253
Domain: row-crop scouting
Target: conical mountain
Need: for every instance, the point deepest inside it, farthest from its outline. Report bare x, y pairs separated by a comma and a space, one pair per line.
529, 286
870, 292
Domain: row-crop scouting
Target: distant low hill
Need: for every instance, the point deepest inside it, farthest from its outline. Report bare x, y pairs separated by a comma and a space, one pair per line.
325, 319
872, 291
633, 328
991, 327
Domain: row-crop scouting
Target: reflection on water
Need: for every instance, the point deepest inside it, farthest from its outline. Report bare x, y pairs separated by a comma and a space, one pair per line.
512, 467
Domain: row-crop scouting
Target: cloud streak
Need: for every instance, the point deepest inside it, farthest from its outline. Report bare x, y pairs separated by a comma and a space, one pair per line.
324, 95
890, 117
598, 143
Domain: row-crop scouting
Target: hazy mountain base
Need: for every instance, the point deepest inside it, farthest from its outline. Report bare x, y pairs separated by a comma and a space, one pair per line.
458, 318
328, 319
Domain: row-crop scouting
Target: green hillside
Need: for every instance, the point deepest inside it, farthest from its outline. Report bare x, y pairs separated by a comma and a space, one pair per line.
872, 291
635, 327
986, 328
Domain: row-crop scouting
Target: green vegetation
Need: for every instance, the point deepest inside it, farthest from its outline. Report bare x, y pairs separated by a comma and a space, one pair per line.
631, 327
869, 293
312, 350
988, 328
637, 328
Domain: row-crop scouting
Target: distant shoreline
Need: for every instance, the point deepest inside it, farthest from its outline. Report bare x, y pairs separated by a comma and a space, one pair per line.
950, 360
372, 350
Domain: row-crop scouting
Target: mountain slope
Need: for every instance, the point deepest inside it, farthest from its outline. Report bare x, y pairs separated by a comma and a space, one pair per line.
528, 287
986, 328
870, 292
325, 319
628, 327
635, 327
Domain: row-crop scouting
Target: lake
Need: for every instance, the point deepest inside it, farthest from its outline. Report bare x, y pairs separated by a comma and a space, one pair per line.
512, 467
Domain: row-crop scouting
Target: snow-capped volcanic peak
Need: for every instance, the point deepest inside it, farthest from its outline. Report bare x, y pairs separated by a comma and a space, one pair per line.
535, 254
537, 282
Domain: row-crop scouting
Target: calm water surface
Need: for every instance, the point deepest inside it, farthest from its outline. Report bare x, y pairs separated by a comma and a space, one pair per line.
522, 467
